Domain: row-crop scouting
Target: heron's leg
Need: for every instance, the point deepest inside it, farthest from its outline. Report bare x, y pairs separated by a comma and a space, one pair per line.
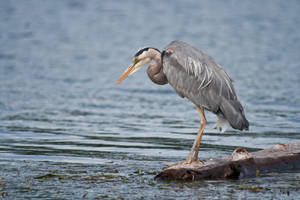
199, 136
200, 133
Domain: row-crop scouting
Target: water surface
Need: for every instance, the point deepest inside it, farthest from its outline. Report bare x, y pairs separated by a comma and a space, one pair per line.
68, 132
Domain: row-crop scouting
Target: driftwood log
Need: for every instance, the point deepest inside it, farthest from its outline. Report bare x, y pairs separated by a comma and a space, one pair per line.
240, 164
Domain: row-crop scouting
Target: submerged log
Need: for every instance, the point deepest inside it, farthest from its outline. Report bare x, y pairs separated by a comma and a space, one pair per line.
240, 164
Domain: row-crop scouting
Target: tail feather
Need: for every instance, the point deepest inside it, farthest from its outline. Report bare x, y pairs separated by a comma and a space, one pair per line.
222, 124
234, 114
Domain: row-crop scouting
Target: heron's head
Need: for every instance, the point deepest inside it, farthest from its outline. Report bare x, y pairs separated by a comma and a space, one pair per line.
141, 58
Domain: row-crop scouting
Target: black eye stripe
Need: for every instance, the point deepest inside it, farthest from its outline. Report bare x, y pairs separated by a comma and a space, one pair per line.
144, 49
141, 51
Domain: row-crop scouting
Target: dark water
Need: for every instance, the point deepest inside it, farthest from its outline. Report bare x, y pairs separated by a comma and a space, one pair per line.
67, 132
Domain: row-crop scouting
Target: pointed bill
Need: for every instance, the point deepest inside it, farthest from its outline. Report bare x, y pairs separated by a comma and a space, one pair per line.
127, 72
135, 66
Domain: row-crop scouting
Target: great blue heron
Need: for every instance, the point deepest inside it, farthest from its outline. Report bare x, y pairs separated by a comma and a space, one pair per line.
196, 76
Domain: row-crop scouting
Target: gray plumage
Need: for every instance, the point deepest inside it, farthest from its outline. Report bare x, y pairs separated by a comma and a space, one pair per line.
196, 76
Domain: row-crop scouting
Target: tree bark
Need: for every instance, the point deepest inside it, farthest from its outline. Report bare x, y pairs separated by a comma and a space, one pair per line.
240, 164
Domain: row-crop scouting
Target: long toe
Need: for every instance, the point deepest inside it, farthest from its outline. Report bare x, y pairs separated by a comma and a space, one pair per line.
188, 161
195, 158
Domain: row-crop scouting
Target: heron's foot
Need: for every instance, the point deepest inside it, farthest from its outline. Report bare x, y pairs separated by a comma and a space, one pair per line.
194, 161
186, 162
175, 164
192, 158
181, 163
195, 158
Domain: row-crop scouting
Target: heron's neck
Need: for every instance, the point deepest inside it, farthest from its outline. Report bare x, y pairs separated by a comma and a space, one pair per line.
155, 70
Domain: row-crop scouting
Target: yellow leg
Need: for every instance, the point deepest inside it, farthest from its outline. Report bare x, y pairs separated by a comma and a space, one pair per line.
194, 152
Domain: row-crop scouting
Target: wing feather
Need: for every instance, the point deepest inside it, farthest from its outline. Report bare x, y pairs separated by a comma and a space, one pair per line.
196, 76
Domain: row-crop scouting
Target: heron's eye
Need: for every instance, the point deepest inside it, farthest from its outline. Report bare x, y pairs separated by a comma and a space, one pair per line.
135, 60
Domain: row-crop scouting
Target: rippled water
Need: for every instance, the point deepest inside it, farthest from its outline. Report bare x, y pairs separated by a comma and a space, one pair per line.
67, 132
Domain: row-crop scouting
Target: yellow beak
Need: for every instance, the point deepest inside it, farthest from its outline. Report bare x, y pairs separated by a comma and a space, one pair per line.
135, 65
127, 72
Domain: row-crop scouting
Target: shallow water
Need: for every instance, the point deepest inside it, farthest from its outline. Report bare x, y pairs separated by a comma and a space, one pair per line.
68, 132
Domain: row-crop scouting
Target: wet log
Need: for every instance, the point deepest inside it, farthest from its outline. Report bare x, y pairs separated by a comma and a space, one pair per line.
240, 164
